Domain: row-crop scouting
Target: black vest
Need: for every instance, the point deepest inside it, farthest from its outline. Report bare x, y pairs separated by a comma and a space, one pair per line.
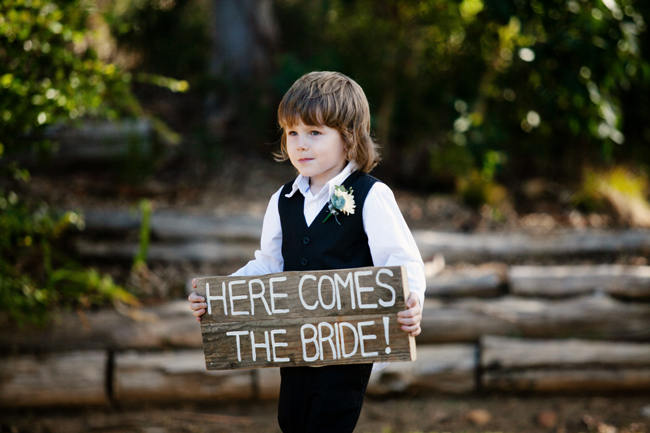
328, 245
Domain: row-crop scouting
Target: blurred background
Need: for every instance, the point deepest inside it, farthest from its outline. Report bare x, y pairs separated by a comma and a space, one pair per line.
135, 153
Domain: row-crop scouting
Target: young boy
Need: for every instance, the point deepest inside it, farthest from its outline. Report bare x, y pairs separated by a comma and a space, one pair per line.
325, 120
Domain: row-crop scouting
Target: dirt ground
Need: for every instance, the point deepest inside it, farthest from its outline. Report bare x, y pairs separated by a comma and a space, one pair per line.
490, 413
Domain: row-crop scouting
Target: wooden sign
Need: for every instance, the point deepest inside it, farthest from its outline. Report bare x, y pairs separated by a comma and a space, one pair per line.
342, 316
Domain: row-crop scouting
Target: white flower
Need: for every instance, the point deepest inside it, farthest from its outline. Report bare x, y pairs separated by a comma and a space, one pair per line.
348, 204
341, 200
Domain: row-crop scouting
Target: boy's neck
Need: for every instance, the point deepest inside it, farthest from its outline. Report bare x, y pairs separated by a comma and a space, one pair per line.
315, 189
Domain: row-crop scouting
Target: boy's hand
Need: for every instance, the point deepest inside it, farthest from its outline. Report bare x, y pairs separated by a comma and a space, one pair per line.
197, 303
411, 317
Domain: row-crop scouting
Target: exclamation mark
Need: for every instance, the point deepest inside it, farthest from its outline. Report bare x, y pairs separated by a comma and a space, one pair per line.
386, 334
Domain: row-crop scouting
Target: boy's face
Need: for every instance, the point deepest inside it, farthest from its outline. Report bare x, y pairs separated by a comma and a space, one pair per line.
317, 152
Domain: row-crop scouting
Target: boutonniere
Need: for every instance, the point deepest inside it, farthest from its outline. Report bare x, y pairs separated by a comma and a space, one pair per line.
341, 200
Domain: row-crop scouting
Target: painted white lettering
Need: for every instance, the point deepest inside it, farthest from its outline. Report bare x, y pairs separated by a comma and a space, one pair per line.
352, 329
209, 298
302, 299
275, 344
233, 298
259, 295
345, 283
312, 340
328, 338
362, 337
336, 298
264, 345
387, 287
237, 334
277, 295
361, 289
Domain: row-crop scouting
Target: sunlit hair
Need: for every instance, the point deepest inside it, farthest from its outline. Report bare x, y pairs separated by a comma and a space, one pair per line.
334, 100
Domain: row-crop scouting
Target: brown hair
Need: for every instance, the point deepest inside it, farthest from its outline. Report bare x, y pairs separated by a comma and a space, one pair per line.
334, 100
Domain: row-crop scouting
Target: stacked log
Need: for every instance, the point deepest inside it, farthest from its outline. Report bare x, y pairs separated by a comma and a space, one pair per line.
494, 326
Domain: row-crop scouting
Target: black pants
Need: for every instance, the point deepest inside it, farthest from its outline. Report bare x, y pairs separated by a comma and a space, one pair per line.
322, 399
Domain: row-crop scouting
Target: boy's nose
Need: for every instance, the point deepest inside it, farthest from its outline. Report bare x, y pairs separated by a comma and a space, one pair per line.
302, 143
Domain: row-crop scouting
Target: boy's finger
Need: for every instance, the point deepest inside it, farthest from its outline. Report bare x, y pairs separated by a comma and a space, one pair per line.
194, 283
410, 328
407, 320
198, 313
411, 312
195, 297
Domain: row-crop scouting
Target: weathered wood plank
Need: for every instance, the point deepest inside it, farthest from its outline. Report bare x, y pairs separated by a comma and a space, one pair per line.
571, 380
466, 320
305, 318
301, 341
508, 353
174, 376
563, 365
168, 224
164, 326
447, 368
73, 378
482, 281
559, 281
190, 251
594, 317
517, 246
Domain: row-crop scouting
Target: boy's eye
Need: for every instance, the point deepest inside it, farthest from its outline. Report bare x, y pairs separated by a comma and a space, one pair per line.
315, 132
291, 133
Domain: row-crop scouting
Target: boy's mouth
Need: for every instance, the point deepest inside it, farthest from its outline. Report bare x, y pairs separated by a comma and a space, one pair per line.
305, 159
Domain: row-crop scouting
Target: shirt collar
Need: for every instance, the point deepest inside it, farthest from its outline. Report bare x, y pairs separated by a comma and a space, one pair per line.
302, 183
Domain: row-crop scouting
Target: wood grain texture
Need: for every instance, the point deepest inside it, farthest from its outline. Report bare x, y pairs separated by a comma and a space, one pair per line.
314, 318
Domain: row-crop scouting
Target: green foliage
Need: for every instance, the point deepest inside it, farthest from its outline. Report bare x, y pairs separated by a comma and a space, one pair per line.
35, 277
145, 234
542, 83
50, 74
597, 185
479, 186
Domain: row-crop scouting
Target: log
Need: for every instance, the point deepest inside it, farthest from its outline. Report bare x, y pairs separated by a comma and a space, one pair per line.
512, 364
192, 251
174, 376
447, 368
558, 281
62, 379
167, 224
102, 140
595, 317
512, 353
449, 322
572, 380
171, 325
164, 326
513, 247
480, 281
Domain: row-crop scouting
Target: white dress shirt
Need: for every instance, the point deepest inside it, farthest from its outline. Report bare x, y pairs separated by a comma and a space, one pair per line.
389, 238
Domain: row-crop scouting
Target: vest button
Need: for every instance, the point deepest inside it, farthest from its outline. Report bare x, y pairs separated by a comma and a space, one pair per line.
304, 261
305, 240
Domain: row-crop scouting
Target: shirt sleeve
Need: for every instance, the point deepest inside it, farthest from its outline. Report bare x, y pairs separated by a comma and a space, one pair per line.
268, 259
389, 238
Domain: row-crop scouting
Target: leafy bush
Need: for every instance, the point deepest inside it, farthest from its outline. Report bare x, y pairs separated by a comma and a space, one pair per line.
545, 83
51, 74
35, 275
